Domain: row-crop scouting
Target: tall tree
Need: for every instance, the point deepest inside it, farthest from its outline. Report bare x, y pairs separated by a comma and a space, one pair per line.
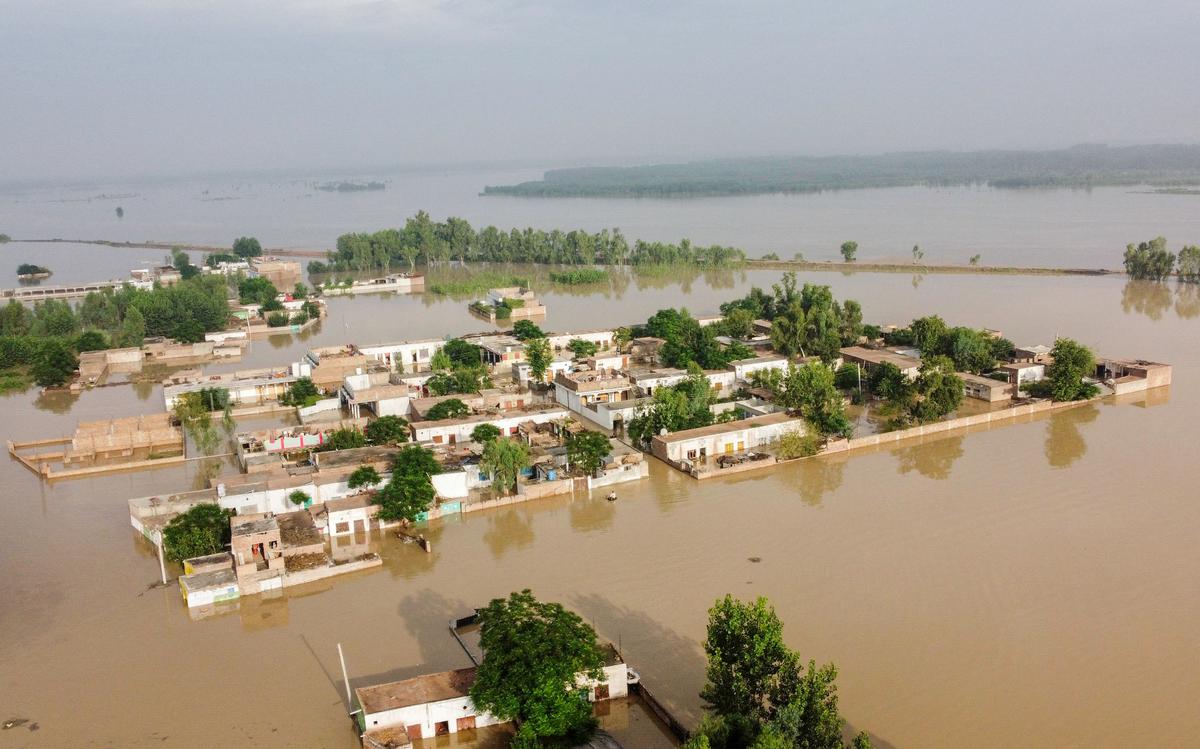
587, 451
537, 353
534, 657
750, 669
849, 251
504, 459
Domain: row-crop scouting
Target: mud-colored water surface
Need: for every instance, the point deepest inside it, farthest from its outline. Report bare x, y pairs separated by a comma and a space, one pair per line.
1031, 585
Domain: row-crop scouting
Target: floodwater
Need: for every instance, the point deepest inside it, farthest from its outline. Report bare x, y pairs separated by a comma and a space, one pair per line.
1074, 228
1026, 585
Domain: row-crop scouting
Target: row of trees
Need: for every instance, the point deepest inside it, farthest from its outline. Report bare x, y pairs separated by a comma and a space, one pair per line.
1152, 261
422, 239
971, 350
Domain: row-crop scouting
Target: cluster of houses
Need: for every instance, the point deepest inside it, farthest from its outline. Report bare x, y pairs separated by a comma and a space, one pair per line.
396, 283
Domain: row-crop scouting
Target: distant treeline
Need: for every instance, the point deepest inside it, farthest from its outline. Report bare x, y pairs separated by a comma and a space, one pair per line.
427, 241
1079, 166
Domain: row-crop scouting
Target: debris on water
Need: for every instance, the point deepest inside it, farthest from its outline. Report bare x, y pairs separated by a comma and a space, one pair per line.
34, 726
755, 560
14, 723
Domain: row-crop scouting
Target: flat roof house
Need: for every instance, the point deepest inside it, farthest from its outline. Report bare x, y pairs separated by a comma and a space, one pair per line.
869, 358
452, 431
404, 356
602, 337
1039, 354
579, 390
440, 704
383, 393
985, 388
697, 445
743, 368
1133, 375
1021, 372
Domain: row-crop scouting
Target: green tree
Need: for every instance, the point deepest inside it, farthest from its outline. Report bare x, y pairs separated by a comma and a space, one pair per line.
298, 497
534, 654
504, 459
849, 251
810, 390
301, 393
247, 247
202, 530
405, 497
847, 376
53, 364
485, 433
938, 389
928, 333
346, 438
621, 338
414, 460
749, 667
917, 253
974, 259
452, 408
587, 451
387, 430
1189, 264
363, 476
257, 290
1150, 261
581, 348
537, 353
1072, 362
91, 340
462, 353
970, 350
524, 330
15, 319
133, 329
440, 361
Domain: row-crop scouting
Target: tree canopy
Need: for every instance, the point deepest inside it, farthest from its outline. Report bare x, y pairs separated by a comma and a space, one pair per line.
504, 459
760, 695
1150, 261
534, 656
387, 430
202, 530
451, 408
587, 450
363, 476
246, 247
537, 353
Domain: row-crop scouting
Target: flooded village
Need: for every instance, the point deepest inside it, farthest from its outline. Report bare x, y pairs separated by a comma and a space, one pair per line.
593, 415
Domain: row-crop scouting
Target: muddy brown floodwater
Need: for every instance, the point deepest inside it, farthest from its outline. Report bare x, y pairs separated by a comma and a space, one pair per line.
1028, 585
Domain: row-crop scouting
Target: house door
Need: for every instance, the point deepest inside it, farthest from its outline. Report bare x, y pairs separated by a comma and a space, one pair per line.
413, 731
741, 445
601, 692
452, 439
728, 448
466, 724
441, 728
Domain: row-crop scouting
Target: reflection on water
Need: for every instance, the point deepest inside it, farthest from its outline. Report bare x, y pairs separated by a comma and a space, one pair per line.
819, 476
508, 529
1064, 440
592, 513
933, 459
917, 279
1153, 298
56, 401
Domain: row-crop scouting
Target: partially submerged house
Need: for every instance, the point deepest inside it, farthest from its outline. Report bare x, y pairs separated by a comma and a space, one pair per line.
985, 388
404, 356
695, 446
440, 704
450, 431
1132, 375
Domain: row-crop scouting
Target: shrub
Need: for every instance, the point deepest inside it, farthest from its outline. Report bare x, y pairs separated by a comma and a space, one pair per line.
798, 445
278, 319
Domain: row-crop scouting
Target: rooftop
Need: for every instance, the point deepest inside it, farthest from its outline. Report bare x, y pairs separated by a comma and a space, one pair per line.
244, 527
983, 381
514, 413
759, 359
730, 426
876, 356
420, 690
215, 579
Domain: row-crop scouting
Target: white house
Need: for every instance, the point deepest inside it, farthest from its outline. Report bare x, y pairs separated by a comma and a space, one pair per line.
743, 368
405, 356
602, 337
451, 431
523, 373
440, 704
1020, 373
381, 392
696, 445
580, 390
649, 380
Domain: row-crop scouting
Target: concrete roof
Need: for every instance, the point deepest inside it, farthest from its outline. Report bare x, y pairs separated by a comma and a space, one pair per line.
876, 356
729, 426
421, 690
203, 580
261, 525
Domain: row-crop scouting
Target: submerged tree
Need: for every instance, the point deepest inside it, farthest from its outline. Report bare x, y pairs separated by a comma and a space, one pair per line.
849, 251
1149, 261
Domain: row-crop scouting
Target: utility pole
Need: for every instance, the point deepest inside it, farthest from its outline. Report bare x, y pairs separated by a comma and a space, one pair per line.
162, 565
345, 678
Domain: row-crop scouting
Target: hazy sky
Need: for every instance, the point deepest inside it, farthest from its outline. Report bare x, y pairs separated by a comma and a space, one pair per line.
130, 87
